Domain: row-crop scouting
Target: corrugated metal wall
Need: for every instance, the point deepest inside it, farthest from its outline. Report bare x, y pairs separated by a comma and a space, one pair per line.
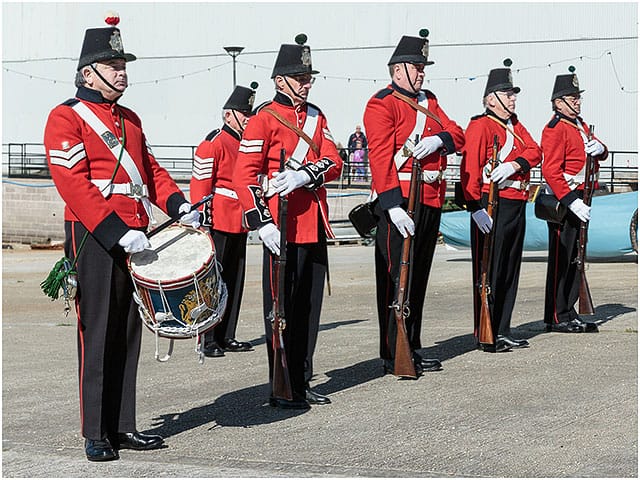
179, 99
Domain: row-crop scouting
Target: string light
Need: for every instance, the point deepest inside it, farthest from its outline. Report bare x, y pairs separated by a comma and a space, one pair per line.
471, 78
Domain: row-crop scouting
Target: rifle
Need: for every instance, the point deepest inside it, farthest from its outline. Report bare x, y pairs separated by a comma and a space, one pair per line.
585, 304
485, 329
281, 383
403, 362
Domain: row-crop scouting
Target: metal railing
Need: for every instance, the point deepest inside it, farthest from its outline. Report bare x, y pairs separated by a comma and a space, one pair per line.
28, 160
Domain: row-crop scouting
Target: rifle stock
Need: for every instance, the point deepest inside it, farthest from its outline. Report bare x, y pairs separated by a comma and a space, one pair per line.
403, 362
585, 303
485, 329
281, 382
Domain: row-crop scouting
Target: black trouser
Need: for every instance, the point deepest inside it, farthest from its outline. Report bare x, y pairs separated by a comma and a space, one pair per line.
305, 273
508, 232
109, 331
563, 280
388, 253
231, 252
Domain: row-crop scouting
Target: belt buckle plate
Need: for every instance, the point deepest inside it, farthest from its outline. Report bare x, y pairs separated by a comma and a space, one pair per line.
137, 191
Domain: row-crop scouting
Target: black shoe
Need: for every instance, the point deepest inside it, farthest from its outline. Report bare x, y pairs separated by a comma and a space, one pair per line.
500, 346
300, 404
513, 342
139, 441
212, 350
232, 345
587, 327
314, 398
574, 326
387, 367
99, 450
430, 365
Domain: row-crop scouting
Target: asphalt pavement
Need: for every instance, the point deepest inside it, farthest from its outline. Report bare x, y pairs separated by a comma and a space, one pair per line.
565, 407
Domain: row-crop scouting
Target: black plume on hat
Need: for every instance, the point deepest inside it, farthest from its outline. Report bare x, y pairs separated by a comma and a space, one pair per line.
566, 85
103, 44
412, 50
294, 59
242, 98
500, 80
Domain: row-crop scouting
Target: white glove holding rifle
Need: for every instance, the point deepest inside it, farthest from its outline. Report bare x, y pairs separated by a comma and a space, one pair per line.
581, 210
402, 221
427, 146
270, 236
483, 220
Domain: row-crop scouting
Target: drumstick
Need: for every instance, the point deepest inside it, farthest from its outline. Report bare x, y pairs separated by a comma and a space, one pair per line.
172, 220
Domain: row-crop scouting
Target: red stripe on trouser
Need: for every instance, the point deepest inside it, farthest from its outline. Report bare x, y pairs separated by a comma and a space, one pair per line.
555, 277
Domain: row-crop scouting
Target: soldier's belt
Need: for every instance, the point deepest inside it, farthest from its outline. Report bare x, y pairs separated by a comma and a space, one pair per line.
428, 176
225, 192
517, 184
131, 189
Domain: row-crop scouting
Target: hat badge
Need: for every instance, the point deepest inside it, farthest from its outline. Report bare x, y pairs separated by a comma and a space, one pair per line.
116, 41
306, 56
574, 81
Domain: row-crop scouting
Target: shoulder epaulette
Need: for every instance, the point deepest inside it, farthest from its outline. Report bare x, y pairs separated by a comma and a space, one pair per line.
71, 102
314, 106
476, 117
383, 93
554, 121
429, 94
212, 134
261, 106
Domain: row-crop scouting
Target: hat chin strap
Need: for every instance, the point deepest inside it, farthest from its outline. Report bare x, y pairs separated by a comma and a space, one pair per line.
291, 88
570, 107
406, 71
233, 112
105, 80
503, 105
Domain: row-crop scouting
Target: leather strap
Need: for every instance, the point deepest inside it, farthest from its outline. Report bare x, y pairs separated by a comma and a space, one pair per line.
297, 130
506, 128
416, 106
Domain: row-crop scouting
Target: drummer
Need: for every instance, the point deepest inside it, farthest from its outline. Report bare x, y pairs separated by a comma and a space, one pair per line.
213, 169
106, 174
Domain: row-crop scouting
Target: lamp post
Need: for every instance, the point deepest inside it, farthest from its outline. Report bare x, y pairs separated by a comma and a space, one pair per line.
234, 52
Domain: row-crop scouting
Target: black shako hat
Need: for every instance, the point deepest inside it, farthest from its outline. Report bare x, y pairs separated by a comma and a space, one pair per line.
103, 43
412, 50
294, 59
242, 98
500, 80
566, 85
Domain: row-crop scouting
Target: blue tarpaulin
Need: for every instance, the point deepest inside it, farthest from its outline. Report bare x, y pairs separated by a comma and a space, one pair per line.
608, 228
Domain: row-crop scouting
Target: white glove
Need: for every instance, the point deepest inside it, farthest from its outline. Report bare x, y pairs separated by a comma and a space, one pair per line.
287, 181
402, 221
594, 148
582, 211
427, 146
270, 236
503, 171
483, 220
189, 218
134, 241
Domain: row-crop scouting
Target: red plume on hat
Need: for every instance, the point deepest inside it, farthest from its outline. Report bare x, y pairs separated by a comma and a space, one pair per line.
112, 18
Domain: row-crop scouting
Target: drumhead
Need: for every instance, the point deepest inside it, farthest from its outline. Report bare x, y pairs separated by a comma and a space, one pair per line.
176, 252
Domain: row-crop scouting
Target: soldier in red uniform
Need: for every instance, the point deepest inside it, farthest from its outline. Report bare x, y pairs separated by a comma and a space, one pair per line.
518, 153
565, 146
290, 122
213, 170
107, 176
392, 119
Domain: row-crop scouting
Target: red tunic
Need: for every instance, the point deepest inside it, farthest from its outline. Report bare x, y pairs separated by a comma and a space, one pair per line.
563, 148
259, 154
478, 150
77, 155
389, 121
213, 168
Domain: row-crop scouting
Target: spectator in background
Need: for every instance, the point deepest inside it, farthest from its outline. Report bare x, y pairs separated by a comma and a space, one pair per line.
355, 137
358, 168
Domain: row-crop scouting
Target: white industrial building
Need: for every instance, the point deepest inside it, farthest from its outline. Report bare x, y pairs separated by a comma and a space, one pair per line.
183, 74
